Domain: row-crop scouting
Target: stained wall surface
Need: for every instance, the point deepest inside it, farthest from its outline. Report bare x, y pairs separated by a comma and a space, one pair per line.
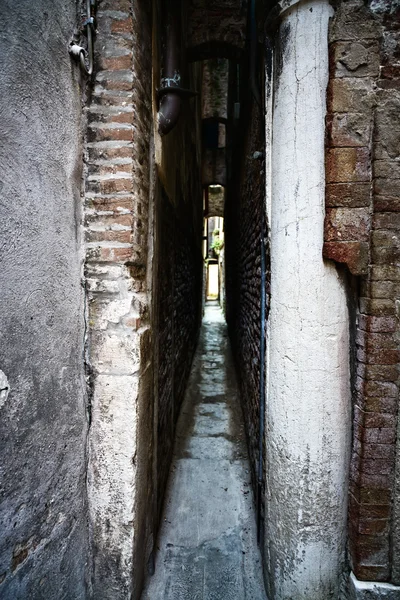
43, 424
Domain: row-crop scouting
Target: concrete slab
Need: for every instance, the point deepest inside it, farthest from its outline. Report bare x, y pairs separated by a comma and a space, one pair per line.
371, 590
207, 545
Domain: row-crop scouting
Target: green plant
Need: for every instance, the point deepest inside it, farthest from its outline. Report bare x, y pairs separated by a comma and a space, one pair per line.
217, 245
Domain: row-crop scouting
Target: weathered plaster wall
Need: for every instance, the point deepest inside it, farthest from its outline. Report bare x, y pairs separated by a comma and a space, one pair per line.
43, 422
362, 230
308, 379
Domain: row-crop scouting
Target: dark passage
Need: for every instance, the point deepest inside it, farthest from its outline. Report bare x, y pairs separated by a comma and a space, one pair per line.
207, 545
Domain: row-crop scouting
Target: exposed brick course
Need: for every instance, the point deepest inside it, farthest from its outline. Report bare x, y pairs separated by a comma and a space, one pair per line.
116, 225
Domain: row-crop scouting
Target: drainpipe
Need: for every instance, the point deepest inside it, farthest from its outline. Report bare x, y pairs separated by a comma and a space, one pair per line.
262, 388
77, 51
170, 94
253, 53
170, 99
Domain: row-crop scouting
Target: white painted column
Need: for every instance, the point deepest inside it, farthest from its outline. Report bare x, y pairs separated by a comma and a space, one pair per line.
308, 420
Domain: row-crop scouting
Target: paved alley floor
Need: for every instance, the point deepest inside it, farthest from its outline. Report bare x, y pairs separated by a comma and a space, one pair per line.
207, 548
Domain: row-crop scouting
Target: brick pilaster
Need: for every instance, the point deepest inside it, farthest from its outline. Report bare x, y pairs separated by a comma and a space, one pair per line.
362, 230
116, 231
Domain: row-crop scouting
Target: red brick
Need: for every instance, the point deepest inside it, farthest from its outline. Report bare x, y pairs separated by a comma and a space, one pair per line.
111, 117
117, 63
381, 389
377, 307
117, 84
351, 95
353, 21
110, 186
389, 169
388, 373
385, 273
347, 224
348, 129
352, 195
372, 550
377, 323
108, 236
379, 420
386, 204
383, 356
386, 452
374, 496
108, 220
385, 289
122, 5
346, 165
134, 323
111, 203
373, 526
386, 221
118, 255
390, 72
100, 134
386, 186
371, 573
112, 169
388, 84
353, 254
122, 26
376, 435
100, 152
381, 255
380, 404
358, 58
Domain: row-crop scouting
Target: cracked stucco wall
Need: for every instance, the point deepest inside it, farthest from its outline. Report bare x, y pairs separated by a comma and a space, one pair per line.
43, 424
308, 381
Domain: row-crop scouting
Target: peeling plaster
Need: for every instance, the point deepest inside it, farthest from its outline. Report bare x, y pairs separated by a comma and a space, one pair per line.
4, 388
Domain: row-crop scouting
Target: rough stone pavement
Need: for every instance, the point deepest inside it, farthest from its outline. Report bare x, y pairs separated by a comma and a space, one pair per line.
207, 546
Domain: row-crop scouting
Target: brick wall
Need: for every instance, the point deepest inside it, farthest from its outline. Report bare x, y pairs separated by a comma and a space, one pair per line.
216, 28
177, 262
178, 297
362, 230
244, 224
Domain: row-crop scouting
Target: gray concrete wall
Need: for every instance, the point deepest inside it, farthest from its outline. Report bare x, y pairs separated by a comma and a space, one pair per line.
43, 425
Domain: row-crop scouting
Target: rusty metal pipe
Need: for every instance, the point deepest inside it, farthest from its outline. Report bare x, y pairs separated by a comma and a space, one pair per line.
171, 102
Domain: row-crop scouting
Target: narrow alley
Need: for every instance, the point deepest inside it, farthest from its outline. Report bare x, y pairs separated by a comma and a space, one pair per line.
200, 300
207, 546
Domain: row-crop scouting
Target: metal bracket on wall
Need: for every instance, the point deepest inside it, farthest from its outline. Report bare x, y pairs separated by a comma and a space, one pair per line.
78, 52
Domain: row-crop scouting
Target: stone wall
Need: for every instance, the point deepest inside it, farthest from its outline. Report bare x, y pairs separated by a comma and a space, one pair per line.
44, 422
362, 230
